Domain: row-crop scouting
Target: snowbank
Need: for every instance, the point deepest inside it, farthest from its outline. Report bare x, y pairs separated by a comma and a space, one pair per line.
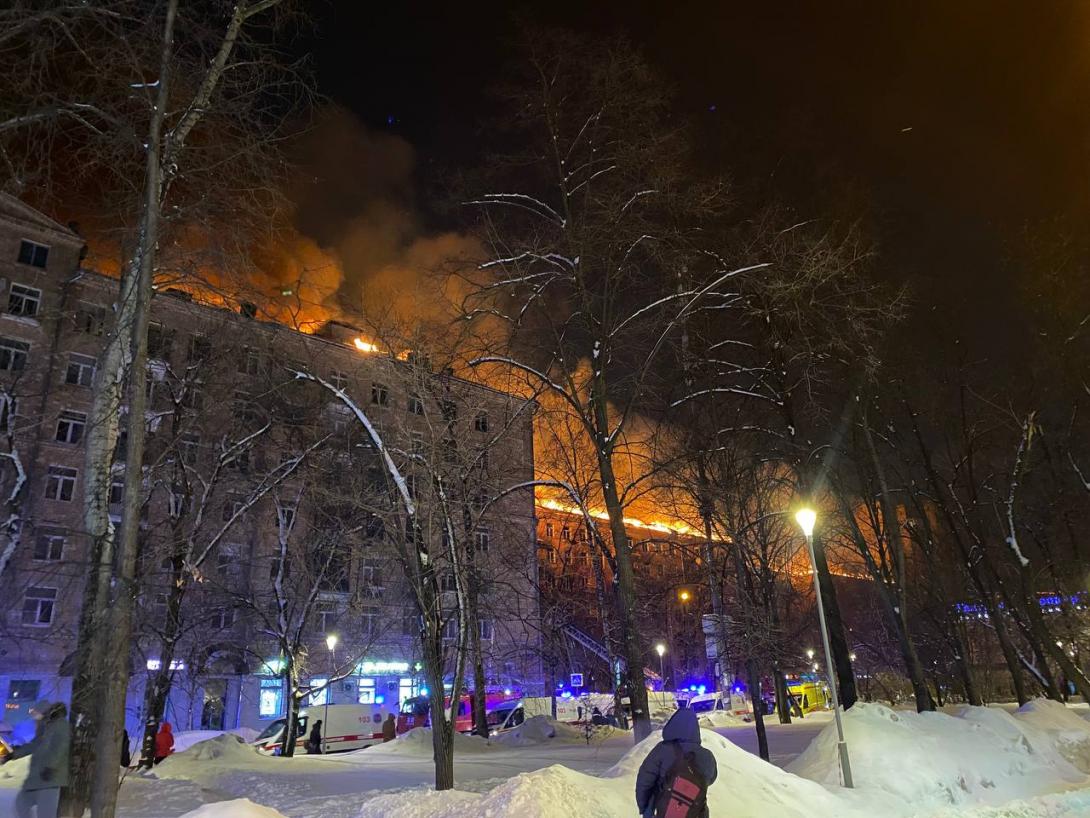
746, 787
932, 760
187, 738
239, 808
417, 742
539, 730
1068, 729
721, 718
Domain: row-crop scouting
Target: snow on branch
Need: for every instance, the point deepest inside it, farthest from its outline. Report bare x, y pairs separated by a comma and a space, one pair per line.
1019, 459
522, 201
372, 432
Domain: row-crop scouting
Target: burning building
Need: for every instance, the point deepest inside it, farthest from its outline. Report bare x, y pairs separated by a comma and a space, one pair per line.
264, 495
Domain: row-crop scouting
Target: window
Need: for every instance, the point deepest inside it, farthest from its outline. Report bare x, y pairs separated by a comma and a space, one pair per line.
24, 690
416, 406
251, 362
188, 446
49, 547
89, 319
271, 699
450, 628
222, 619
449, 409
366, 691
285, 517
227, 557
160, 341
485, 629
416, 442
81, 370
32, 253
446, 582
338, 379
24, 300
117, 492
380, 395
39, 605
480, 423
200, 348
565, 534
327, 616
231, 507
7, 413
61, 483
70, 426
480, 540
548, 530
371, 577
550, 556
320, 686
13, 354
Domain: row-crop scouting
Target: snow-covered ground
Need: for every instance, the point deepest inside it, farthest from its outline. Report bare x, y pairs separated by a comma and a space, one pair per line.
974, 762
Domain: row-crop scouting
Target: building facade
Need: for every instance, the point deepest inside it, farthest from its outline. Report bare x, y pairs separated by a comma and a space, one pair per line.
268, 522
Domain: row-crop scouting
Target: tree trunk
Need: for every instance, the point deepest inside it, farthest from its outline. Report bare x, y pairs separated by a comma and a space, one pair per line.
442, 731
965, 671
158, 686
754, 678
291, 683
835, 623
783, 706
715, 591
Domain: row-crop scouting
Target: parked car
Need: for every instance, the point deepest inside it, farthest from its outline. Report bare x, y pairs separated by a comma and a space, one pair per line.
505, 717
344, 727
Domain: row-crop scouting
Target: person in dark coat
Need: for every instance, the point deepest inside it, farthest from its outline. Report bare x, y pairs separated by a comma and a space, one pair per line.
126, 754
41, 791
164, 742
682, 730
389, 728
314, 743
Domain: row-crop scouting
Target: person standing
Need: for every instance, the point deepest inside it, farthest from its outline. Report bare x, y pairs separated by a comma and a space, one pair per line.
126, 753
40, 794
164, 742
389, 728
314, 743
674, 778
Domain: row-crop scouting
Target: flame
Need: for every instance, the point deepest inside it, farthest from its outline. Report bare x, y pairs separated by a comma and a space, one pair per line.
632, 522
364, 346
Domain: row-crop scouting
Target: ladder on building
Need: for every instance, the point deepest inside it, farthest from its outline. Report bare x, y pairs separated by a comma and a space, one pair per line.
587, 641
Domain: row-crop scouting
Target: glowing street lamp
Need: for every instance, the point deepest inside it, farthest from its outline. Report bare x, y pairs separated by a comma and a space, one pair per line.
331, 643
806, 518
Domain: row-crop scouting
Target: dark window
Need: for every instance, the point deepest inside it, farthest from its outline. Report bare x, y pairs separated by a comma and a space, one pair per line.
481, 539
416, 406
338, 379
60, 483
70, 426
90, 319
80, 371
160, 341
200, 348
449, 409
251, 362
117, 492
24, 300
49, 547
480, 423
188, 446
32, 253
485, 628
380, 395
39, 605
13, 354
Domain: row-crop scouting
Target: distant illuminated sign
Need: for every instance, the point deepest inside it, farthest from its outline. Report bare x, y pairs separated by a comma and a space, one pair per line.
577, 680
380, 668
155, 664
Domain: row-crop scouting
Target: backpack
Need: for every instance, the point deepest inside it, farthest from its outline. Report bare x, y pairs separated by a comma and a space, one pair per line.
684, 793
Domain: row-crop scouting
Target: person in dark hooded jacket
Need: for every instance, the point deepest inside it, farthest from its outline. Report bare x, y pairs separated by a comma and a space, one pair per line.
682, 730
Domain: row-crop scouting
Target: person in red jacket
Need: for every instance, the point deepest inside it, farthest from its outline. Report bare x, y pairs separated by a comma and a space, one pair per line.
164, 742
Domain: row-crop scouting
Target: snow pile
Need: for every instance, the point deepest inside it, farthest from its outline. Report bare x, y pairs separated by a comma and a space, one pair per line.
187, 738
417, 742
721, 718
239, 808
1068, 729
212, 756
985, 756
538, 730
746, 786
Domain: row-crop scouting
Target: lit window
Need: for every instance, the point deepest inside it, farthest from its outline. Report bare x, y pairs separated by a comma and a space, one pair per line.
13, 354
321, 696
70, 426
32, 253
271, 700
60, 483
80, 371
24, 300
39, 606
367, 691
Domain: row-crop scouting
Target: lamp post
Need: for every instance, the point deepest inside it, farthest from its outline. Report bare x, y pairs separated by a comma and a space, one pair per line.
806, 517
660, 649
331, 643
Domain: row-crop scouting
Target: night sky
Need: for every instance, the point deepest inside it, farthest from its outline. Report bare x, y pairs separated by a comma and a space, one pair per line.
947, 125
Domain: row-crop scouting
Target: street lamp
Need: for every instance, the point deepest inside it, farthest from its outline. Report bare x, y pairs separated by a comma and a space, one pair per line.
806, 517
810, 654
660, 649
331, 643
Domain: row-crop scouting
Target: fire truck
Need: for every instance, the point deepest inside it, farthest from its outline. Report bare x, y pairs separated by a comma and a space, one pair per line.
416, 711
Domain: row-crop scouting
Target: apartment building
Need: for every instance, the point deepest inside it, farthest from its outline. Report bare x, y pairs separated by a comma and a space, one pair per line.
265, 498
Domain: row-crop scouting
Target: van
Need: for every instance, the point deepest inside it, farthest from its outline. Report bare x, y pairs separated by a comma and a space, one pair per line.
505, 717
344, 727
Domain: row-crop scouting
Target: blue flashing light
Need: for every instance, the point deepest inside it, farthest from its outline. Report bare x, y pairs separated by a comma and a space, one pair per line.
423, 691
507, 691
692, 687
701, 689
566, 694
380, 700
